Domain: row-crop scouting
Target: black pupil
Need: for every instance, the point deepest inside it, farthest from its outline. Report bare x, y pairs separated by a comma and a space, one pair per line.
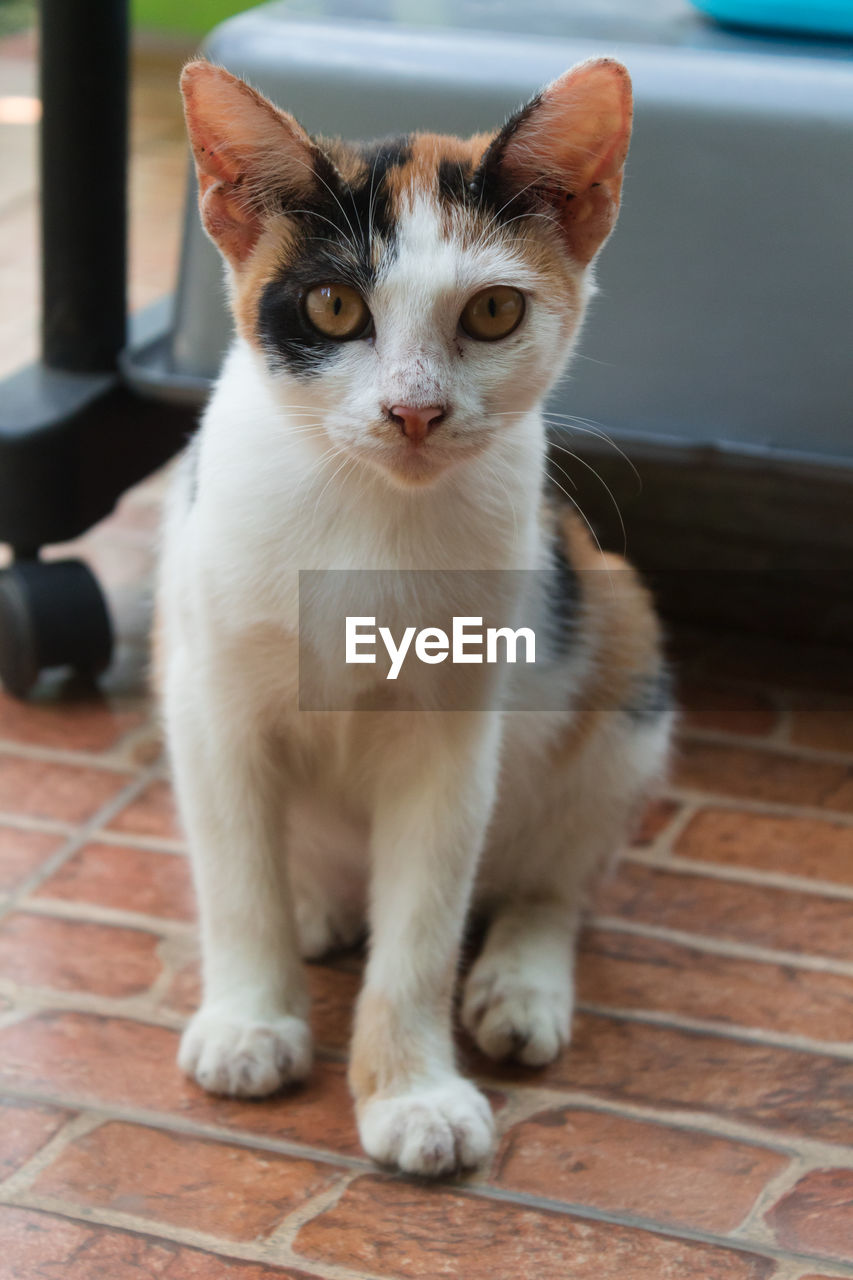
493, 307
337, 304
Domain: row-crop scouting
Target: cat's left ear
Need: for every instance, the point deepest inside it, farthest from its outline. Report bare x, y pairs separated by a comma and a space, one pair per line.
569, 146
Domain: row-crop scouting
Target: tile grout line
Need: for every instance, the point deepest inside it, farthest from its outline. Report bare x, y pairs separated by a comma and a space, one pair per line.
14, 1189
260, 1252
723, 946
637, 1222
84, 910
46, 826
813, 1153
76, 1126
757, 1036
797, 1271
754, 1224
783, 731
247, 1251
647, 857
147, 1007
129, 840
810, 1154
787, 749
216, 1247
78, 836
552, 1098
148, 730
140, 1009
281, 1240
663, 844
731, 874
100, 761
519, 1108
76, 909
175, 1123
174, 954
751, 804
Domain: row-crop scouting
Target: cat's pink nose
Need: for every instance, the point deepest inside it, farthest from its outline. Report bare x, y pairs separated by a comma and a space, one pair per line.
417, 423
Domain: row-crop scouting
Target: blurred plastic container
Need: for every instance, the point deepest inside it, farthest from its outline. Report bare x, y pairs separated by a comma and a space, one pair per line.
724, 311
823, 18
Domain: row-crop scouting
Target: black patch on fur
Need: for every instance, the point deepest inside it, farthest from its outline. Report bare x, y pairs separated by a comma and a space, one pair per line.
388, 154
489, 185
564, 602
497, 147
334, 245
651, 697
503, 198
454, 181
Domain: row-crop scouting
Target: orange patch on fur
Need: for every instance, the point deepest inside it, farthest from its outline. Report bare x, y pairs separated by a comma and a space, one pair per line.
267, 261
419, 174
381, 1055
622, 630
386, 1054
346, 159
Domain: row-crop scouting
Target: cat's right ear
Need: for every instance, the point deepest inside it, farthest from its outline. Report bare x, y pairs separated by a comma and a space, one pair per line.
248, 156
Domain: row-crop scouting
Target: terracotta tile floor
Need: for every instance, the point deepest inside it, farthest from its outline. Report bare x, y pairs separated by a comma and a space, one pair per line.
699, 1128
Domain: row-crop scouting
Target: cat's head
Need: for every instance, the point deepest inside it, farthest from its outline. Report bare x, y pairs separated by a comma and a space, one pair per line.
412, 298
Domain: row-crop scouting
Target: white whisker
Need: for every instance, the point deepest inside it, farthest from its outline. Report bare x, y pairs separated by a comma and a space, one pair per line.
312, 169
592, 532
346, 459
604, 484
494, 472
573, 424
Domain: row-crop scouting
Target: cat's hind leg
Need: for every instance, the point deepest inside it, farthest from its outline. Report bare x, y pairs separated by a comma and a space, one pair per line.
570, 784
542, 857
518, 996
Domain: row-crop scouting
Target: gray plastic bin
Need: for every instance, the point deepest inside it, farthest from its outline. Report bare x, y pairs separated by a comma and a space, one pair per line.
725, 310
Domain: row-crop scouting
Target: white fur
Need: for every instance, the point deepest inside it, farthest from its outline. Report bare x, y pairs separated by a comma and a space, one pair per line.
435, 1129
297, 819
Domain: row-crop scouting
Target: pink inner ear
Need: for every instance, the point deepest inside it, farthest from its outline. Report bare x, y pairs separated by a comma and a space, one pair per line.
570, 144
578, 132
235, 231
242, 146
213, 107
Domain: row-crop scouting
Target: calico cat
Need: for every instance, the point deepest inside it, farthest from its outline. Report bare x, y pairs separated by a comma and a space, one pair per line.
401, 311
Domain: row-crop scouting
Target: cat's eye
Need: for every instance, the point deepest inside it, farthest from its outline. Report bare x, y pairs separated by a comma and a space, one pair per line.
493, 313
337, 311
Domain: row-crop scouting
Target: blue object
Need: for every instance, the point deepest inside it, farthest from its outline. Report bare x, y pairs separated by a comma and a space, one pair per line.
823, 17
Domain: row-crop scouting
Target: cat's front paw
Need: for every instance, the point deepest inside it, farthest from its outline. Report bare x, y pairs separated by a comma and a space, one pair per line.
245, 1058
512, 1015
432, 1131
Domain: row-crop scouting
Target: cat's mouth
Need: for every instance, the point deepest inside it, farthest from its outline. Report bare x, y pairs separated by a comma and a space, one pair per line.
423, 463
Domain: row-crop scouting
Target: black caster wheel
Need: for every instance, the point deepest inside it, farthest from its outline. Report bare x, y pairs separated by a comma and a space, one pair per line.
52, 614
